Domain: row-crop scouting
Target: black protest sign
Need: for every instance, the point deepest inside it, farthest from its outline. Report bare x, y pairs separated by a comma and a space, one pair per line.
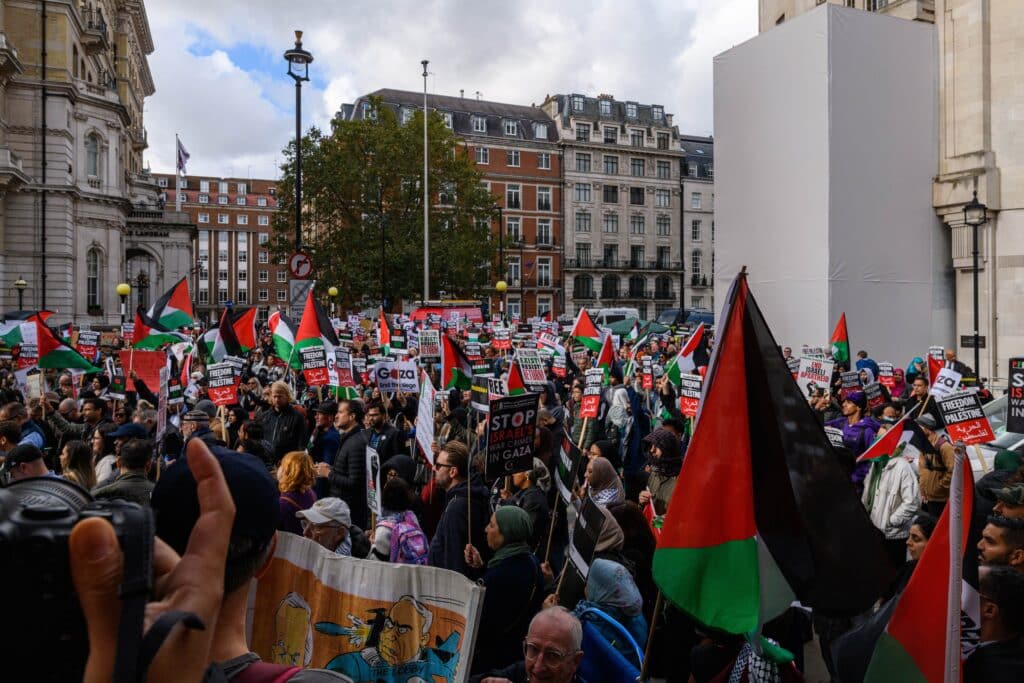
567, 469
874, 395
849, 381
174, 393
591, 402
690, 387
222, 388
580, 552
314, 365
965, 419
480, 399
532, 367
1015, 397
512, 425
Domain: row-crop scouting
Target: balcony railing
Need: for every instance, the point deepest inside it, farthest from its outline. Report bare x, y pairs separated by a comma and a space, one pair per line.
583, 294
95, 35
623, 264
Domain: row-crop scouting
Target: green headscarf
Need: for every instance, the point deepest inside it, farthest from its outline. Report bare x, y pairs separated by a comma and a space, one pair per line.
517, 529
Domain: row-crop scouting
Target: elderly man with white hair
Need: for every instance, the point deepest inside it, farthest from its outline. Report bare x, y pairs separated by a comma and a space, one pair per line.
551, 652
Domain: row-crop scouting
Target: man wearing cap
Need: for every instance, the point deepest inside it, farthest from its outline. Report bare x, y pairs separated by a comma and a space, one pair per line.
131, 484
196, 425
329, 523
24, 462
1010, 502
935, 468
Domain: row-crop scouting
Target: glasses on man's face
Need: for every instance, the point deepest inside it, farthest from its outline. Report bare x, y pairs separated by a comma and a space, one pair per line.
549, 657
440, 465
402, 629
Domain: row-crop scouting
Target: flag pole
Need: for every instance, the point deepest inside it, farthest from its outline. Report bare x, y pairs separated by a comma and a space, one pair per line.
650, 636
551, 531
177, 175
954, 508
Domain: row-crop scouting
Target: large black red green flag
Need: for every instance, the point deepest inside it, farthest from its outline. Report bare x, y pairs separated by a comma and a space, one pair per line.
763, 512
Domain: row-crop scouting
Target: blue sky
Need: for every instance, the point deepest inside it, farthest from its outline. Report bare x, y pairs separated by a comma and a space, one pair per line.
222, 85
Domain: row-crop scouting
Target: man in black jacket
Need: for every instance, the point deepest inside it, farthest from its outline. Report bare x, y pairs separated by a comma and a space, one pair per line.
381, 434
347, 477
466, 505
283, 426
131, 484
1000, 656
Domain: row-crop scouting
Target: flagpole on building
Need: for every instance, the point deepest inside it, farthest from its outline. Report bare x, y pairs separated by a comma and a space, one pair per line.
426, 196
177, 174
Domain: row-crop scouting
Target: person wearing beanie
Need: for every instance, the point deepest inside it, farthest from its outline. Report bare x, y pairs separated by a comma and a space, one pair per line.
859, 428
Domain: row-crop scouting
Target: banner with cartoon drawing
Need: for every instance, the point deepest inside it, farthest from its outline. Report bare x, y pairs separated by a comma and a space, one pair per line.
371, 621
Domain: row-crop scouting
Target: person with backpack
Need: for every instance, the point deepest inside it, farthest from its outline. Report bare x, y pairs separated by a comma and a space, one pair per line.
398, 537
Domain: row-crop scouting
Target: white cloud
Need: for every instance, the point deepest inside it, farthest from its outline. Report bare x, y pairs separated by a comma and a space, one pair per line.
235, 122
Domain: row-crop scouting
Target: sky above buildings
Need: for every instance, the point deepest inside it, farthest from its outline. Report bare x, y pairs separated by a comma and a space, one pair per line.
221, 81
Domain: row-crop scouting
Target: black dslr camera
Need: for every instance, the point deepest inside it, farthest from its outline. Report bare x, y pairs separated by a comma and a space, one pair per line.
44, 626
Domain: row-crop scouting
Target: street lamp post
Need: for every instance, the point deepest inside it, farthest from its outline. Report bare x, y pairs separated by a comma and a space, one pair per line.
298, 68
20, 285
501, 260
501, 287
976, 215
333, 293
123, 290
426, 194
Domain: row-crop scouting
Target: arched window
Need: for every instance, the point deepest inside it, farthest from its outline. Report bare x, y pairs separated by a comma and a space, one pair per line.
583, 287
92, 155
610, 287
696, 260
637, 286
92, 278
663, 287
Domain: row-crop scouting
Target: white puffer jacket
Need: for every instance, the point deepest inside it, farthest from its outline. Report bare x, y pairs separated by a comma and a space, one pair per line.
896, 500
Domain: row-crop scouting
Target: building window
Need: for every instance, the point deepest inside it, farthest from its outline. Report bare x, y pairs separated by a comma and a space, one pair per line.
222, 247
543, 198
636, 196
264, 276
583, 254
222, 219
637, 225
582, 192
483, 155
691, 169
611, 164
605, 108
582, 162
582, 221
543, 231
242, 296
263, 237
695, 200
92, 278
695, 262
657, 112
264, 295
544, 161
243, 220
204, 218
543, 305
664, 257
577, 102
610, 223
662, 140
204, 296
512, 231
610, 287
241, 188
540, 131
631, 109
514, 269
92, 155
282, 295
664, 226
611, 135
204, 199
697, 302
263, 220
222, 276
243, 276
636, 138
512, 158
479, 124
204, 185
240, 201
448, 120
222, 199
369, 111
264, 256
664, 170
583, 287
511, 128
184, 197
636, 168
544, 272
282, 276
610, 194
161, 182
695, 231
583, 132
637, 286
662, 199
512, 197
261, 201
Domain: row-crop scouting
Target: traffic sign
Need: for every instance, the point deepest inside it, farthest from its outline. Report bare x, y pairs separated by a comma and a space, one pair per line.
300, 265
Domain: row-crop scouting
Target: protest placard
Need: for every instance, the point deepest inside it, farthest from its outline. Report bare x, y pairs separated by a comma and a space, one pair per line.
359, 370
558, 365
393, 375
502, 339
1015, 397
161, 404
480, 392
88, 344
937, 352
313, 608
567, 469
793, 364
222, 387
887, 376
430, 344
425, 418
965, 419
647, 373
690, 387
373, 481
175, 395
532, 367
945, 383
128, 332
145, 364
592, 393
580, 553
873, 394
473, 350
314, 365
511, 428
814, 373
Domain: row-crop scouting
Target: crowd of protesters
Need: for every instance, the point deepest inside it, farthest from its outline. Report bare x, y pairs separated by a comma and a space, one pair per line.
306, 451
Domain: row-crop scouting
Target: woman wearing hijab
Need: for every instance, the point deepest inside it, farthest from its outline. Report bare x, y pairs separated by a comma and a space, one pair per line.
607, 450
664, 465
611, 589
530, 496
515, 589
602, 483
899, 388
917, 368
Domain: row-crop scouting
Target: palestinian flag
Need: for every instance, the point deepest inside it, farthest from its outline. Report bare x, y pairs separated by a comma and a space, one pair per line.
515, 385
841, 342
456, 370
384, 333
243, 321
935, 366
694, 354
315, 329
905, 433
53, 353
219, 341
585, 331
11, 332
734, 555
922, 641
282, 331
174, 308
606, 357
67, 332
149, 335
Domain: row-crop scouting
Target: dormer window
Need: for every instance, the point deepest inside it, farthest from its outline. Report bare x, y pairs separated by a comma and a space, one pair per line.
605, 107
448, 120
658, 112
511, 128
631, 109
577, 102
540, 131
479, 124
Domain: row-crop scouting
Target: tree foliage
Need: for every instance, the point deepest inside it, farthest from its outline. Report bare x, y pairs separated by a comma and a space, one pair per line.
362, 212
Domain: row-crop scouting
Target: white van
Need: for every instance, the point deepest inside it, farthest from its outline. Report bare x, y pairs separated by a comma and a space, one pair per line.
610, 316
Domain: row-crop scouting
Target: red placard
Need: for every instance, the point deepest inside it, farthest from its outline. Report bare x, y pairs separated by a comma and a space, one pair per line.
965, 418
146, 365
971, 432
590, 405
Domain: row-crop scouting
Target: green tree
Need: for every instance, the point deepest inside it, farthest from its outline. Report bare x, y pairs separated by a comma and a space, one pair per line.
362, 210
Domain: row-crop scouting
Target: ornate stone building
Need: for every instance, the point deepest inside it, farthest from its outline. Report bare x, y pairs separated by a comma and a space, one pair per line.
79, 212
